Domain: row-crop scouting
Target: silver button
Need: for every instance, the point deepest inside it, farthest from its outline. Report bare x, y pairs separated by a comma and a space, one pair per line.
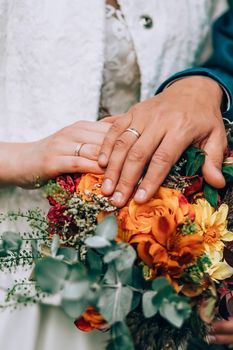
146, 22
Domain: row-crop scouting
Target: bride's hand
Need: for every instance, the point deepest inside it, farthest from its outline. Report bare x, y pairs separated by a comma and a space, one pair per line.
188, 112
24, 164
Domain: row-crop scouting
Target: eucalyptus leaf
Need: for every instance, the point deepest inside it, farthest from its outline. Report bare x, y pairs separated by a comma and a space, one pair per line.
11, 241
115, 303
74, 308
160, 283
34, 248
149, 308
78, 272
126, 259
55, 245
67, 254
75, 290
120, 338
97, 242
107, 228
94, 260
51, 274
169, 312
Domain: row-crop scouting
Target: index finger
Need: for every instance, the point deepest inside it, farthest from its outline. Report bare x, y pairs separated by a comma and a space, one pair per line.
166, 155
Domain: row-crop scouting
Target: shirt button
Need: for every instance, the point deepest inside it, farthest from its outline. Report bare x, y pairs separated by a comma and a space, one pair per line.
146, 22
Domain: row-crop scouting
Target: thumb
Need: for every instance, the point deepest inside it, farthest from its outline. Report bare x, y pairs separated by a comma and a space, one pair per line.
212, 168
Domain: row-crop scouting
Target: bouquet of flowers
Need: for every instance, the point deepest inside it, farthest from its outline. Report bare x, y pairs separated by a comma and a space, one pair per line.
152, 274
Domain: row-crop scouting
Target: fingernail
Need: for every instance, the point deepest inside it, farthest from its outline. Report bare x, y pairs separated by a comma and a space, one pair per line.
117, 197
102, 158
107, 185
140, 195
210, 339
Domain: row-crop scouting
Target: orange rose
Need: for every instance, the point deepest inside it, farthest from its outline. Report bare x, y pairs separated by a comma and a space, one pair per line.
162, 213
90, 320
91, 183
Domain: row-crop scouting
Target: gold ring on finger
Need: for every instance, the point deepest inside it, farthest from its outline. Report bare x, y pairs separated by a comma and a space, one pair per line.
78, 149
133, 131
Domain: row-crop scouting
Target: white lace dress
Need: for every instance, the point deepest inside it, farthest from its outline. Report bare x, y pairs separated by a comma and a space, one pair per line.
47, 328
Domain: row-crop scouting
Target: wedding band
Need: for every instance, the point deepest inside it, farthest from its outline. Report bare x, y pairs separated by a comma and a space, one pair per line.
78, 149
134, 131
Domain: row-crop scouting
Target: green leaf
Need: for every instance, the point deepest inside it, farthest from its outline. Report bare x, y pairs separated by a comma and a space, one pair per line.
120, 338
162, 295
78, 272
94, 261
211, 195
97, 242
55, 245
112, 255
160, 283
74, 308
51, 274
75, 290
228, 172
169, 312
195, 159
124, 257
149, 308
107, 228
34, 249
11, 241
115, 303
68, 255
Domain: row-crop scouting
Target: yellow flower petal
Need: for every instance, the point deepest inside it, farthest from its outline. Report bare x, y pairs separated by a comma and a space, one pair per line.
220, 271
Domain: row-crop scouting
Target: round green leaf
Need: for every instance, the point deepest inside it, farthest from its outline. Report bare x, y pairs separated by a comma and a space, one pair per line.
11, 241
107, 228
97, 242
51, 274
74, 308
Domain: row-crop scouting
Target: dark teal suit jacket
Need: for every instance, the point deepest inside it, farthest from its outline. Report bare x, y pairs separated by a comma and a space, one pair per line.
220, 65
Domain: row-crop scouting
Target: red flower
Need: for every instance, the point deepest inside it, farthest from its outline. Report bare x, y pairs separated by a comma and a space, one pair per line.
56, 214
196, 183
90, 320
66, 182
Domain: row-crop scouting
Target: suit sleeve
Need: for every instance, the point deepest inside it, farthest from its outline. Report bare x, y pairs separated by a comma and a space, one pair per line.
220, 65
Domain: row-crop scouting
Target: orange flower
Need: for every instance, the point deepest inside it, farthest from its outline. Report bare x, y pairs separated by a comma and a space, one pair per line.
162, 213
168, 254
90, 320
91, 183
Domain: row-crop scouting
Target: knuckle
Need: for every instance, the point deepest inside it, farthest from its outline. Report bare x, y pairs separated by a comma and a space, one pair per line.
125, 183
162, 157
136, 155
121, 143
117, 127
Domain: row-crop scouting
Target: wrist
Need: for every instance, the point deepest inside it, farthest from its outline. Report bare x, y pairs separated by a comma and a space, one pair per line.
13, 167
201, 84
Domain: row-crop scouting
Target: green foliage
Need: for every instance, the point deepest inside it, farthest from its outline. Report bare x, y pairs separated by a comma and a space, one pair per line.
227, 171
195, 159
163, 299
211, 195
120, 338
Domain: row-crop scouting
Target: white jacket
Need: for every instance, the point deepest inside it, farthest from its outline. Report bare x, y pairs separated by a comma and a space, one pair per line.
52, 55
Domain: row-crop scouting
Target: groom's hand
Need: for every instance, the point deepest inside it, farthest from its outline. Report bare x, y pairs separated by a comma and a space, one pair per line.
161, 128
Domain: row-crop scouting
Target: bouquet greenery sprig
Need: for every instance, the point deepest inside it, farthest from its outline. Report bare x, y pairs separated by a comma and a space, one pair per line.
170, 258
